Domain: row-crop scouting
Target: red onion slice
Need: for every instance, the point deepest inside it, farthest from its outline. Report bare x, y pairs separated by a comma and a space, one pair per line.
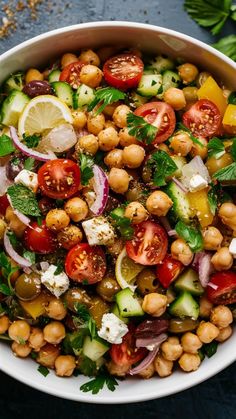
4, 181
101, 188
213, 286
202, 263
13, 254
28, 151
180, 185
149, 358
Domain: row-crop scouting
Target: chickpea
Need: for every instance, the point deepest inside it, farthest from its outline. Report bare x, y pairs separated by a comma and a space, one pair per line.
56, 309
136, 212
200, 150
79, 119
33, 74
207, 332
188, 72
116, 369
212, 238
89, 57
69, 236
109, 124
181, 251
48, 355
106, 52
95, 123
171, 349
108, 139
4, 324
114, 158
126, 139
222, 260
57, 219
19, 331
164, 147
191, 343
3, 227
87, 144
36, 339
14, 223
205, 307
202, 77
116, 247
110, 109
158, 203
120, 115
118, 180
221, 316
224, 334
154, 304
107, 288
213, 164
21, 350
133, 156
67, 59
76, 208
65, 365
162, 366
175, 98
54, 332
189, 362
91, 75
148, 372
190, 94
181, 143
227, 214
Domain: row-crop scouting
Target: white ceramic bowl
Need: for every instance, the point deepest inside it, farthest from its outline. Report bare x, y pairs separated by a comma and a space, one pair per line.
38, 51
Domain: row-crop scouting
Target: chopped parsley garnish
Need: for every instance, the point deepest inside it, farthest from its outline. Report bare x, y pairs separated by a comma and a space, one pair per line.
60, 269
226, 173
191, 235
6, 145
24, 200
104, 97
227, 46
13, 239
87, 366
86, 163
43, 370
82, 311
139, 128
122, 223
29, 163
184, 128
99, 382
31, 141
162, 166
213, 199
232, 96
7, 270
209, 349
216, 148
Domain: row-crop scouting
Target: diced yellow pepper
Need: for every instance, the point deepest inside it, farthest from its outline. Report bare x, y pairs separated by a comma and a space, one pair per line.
200, 206
230, 116
211, 91
36, 307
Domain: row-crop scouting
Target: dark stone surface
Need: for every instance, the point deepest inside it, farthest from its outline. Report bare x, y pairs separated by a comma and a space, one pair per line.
214, 399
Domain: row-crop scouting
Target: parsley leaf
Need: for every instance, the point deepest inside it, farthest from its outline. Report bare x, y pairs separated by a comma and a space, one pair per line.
184, 128
6, 145
139, 128
86, 163
13, 239
191, 235
98, 383
226, 173
162, 165
87, 366
122, 223
209, 349
232, 97
82, 311
215, 148
7, 271
209, 13
30, 256
60, 269
212, 196
29, 163
227, 46
43, 370
5, 290
105, 97
31, 141
24, 200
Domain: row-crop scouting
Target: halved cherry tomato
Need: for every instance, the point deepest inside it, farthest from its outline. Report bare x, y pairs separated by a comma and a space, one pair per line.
4, 203
126, 353
71, 74
59, 179
39, 239
162, 116
168, 270
149, 245
123, 71
86, 263
203, 118
222, 288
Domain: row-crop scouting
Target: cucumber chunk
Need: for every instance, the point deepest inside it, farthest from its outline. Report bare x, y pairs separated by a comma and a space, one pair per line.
161, 64
94, 348
83, 96
14, 82
128, 303
116, 311
180, 161
189, 281
185, 306
63, 91
54, 76
149, 85
181, 209
170, 79
12, 107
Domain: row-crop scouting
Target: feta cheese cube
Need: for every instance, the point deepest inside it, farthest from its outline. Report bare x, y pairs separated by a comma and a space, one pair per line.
197, 182
113, 329
99, 231
232, 248
56, 284
28, 179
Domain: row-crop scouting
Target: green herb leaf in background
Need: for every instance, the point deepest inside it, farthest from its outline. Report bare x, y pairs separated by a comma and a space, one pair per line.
139, 128
215, 148
24, 200
162, 165
6, 145
227, 46
191, 235
104, 97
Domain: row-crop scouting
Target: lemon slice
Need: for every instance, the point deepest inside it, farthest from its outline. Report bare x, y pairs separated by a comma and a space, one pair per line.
126, 271
42, 113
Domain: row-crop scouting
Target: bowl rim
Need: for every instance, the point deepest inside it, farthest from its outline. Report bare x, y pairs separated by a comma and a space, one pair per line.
195, 379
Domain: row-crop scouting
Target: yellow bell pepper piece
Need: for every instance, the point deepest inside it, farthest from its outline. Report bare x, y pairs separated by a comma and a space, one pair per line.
230, 116
211, 91
200, 206
36, 307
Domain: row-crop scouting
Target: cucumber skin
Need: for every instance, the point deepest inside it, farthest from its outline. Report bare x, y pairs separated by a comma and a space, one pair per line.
6, 106
176, 310
181, 284
131, 306
78, 97
94, 349
180, 209
63, 91
54, 76
145, 88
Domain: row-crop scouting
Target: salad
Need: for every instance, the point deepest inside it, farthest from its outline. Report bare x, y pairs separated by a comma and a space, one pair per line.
118, 215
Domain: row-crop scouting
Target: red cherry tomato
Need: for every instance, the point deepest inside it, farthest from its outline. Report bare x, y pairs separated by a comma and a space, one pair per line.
123, 71
222, 288
4, 203
203, 118
126, 353
149, 245
71, 74
162, 116
59, 179
168, 270
39, 239
86, 263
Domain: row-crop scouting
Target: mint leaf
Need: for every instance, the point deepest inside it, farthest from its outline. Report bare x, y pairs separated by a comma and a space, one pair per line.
233, 148
29, 163
104, 97
24, 200
226, 173
215, 148
30, 256
191, 235
162, 166
6, 145
139, 128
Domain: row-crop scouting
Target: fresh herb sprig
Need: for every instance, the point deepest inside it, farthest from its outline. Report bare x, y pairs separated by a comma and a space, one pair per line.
215, 148
122, 223
232, 96
99, 382
7, 270
227, 173
104, 97
86, 172
162, 166
139, 128
6, 145
29, 163
24, 200
31, 141
191, 235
